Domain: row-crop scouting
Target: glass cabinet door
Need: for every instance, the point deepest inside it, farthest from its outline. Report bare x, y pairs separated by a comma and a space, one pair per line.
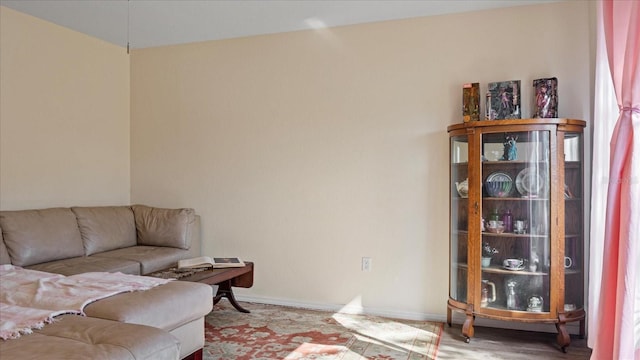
516, 213
459, 219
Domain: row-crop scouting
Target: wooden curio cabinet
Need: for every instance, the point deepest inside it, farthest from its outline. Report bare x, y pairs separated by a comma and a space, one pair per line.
517, 194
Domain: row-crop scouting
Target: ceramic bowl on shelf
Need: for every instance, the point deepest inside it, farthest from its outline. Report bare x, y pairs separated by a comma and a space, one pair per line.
496, 230
498, 188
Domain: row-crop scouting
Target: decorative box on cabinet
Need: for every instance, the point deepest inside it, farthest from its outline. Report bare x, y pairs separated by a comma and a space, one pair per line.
531, 169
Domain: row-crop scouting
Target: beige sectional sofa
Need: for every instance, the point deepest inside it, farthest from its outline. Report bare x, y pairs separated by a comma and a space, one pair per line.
165, 322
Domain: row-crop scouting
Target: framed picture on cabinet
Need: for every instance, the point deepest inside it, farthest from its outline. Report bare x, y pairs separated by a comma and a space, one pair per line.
471, 102
546, 98
503, 100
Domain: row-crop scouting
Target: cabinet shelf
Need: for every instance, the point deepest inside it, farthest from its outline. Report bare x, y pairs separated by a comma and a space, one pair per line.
554, 223
488, 198
504, 308
519, 163
499, 270
514, 235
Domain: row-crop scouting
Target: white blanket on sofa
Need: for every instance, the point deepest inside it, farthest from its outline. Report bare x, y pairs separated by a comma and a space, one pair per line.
30, 298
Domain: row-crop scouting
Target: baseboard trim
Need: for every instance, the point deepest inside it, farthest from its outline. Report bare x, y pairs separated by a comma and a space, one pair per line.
458, 318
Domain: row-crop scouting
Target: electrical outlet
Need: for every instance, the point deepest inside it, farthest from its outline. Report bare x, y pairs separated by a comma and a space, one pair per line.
366, 263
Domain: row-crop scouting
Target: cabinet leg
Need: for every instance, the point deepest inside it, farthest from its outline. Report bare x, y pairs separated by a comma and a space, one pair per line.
449, 316
467, 327
582, 332
563, 336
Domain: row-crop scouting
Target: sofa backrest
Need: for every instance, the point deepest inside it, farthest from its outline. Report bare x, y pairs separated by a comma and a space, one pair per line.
37, 236
29, 237
105, 228
164, 227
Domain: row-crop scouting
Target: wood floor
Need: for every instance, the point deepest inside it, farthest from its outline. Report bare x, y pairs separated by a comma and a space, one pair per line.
492, 343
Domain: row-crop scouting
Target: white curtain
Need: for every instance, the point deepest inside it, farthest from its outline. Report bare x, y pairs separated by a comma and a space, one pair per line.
605, 116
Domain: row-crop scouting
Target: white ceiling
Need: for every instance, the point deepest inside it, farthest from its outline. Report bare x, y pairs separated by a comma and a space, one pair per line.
148, 23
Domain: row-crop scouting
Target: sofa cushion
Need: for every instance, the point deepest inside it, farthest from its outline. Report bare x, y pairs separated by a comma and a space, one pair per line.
85, 264
164, 227
4, 254
174, 304
36, 236
150, 258
106, 228
79, 337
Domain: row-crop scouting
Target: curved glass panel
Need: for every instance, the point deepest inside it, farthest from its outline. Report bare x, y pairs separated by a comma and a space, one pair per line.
574, 237
459, 218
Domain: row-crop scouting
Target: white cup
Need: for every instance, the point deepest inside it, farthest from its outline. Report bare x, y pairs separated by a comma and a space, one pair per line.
568, 262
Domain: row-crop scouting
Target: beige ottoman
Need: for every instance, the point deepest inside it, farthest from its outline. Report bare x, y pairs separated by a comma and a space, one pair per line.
178, 307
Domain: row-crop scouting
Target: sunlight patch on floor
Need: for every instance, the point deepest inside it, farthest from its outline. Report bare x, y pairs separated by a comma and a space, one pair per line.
317, 351
388, 333
353, 307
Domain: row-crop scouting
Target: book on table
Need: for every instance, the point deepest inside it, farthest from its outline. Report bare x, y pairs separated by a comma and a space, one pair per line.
209, 262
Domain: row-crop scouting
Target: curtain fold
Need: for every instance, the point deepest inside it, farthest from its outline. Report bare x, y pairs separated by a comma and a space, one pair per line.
618, 322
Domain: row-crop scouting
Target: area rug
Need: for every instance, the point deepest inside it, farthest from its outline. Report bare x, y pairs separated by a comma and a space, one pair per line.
272, 332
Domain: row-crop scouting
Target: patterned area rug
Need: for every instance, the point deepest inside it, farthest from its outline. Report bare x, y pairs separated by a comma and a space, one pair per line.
272, 332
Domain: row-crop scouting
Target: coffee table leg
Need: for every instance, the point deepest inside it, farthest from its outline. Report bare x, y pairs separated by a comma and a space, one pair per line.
224, 290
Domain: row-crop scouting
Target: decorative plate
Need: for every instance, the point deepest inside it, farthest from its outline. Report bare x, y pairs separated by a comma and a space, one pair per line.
530, 182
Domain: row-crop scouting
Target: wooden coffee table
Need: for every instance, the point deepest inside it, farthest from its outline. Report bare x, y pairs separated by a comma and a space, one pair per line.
225, 278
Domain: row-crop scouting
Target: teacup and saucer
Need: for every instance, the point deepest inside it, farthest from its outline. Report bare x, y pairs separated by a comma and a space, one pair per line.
513, 264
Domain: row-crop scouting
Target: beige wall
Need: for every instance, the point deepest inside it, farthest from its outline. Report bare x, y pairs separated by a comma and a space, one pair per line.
64, 116
302, 151
306, 151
